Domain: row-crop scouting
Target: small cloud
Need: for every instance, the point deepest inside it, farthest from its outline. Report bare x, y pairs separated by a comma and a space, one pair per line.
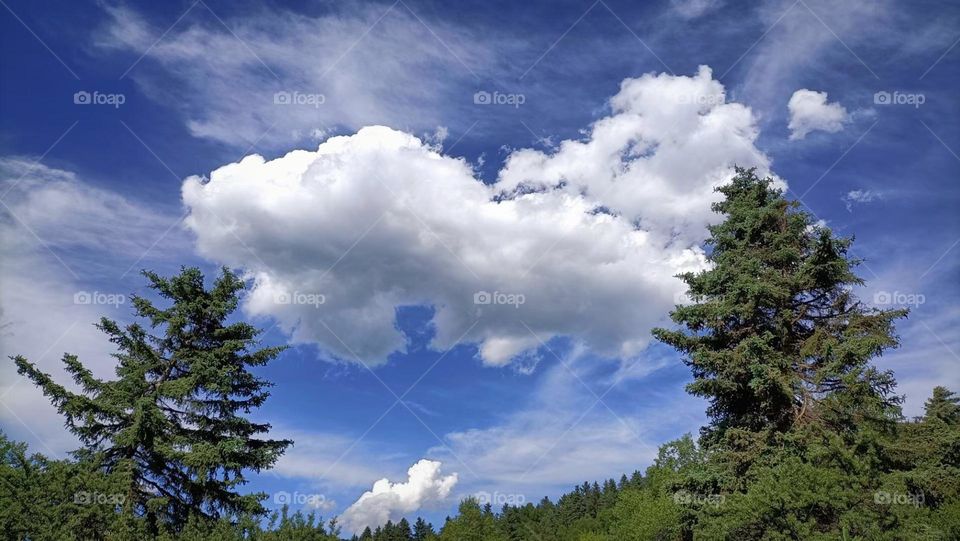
809, 111
389, 501
435, 140
861, 196
819, 224
320, 134
691, 9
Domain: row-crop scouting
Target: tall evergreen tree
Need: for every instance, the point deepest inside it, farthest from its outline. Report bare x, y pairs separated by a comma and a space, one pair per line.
403, 531
777, 336
943, 406
422, 530
173, 423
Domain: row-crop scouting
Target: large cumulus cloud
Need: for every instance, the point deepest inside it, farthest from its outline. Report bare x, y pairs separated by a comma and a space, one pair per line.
589, 236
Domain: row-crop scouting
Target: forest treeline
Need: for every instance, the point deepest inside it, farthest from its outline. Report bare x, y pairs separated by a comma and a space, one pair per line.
805, 440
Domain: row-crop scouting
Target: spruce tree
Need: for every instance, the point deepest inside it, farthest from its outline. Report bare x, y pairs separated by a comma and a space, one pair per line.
776, 336
403, 531
943, 406
422, 530
173, 424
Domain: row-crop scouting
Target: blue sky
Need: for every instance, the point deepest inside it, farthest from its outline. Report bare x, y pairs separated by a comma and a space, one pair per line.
503, 127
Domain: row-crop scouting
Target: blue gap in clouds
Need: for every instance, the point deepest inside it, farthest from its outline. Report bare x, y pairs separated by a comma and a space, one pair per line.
456, 394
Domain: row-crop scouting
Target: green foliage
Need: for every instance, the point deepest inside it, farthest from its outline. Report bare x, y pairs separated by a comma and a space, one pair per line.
172, 424
645, 515
804, 440
777, 336
53, 499
473, 524
423, 531
943, 406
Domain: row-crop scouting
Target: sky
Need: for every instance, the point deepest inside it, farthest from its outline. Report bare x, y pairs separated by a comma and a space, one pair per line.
464, 218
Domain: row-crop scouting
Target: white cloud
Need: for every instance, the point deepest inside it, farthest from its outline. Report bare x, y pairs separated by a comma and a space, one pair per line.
55, 208
372, 64
425, 487
809, 111
861, 196
380, 219
691, 9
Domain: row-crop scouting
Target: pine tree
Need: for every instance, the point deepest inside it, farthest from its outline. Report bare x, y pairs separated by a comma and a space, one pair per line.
423, 530
172, 424
402, 530
777, 336
471, 524
943, 406
782, 348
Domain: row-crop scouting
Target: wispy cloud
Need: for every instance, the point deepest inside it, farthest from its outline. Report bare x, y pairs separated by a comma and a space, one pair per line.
277, 77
